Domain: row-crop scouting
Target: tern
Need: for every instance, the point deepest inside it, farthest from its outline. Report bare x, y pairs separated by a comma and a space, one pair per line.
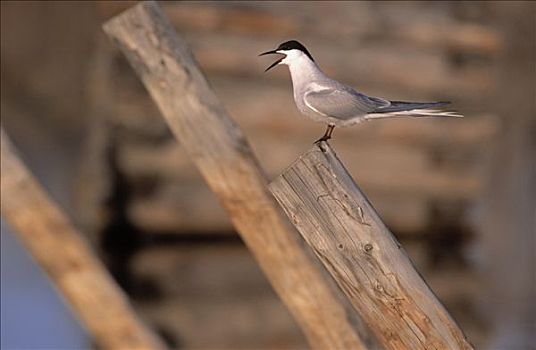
336, 104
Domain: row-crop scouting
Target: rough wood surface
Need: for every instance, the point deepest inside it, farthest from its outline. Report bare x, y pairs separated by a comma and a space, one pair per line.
367, 262
59, 249
219, 150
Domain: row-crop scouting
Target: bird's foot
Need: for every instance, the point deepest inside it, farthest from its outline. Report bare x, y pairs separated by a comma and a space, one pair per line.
320, 144
322, 139
325, 137
327, 134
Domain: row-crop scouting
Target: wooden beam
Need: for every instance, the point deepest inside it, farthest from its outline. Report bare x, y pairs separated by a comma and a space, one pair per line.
365, 259
61, 251
218, 148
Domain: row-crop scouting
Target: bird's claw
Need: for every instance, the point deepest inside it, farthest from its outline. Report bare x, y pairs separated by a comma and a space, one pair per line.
322, 139
320, 144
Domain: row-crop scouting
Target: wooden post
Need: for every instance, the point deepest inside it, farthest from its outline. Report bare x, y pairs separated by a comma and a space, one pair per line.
60, 250
218, 148
368, 263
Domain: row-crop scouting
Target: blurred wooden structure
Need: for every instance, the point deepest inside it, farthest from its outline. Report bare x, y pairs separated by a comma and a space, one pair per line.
163, 233
62, 252
217, 147
434, 161
423, 176
364, 258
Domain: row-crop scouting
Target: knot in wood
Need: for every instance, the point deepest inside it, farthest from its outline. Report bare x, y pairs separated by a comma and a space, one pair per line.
378, 287
294, 219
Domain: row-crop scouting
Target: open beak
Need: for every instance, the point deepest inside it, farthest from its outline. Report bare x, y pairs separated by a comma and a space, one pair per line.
276, 62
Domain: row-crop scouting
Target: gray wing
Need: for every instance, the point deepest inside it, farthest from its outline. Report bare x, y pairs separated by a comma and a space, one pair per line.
342, 102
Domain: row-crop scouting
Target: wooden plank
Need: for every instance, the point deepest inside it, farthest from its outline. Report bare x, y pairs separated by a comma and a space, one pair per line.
180, 208
241, 96
367, 262
218, 148
202, 284
416, 174
192, 209
283, 22
365, 65
60, 250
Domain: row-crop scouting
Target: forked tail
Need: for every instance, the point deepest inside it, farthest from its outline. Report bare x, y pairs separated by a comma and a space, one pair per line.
412, 109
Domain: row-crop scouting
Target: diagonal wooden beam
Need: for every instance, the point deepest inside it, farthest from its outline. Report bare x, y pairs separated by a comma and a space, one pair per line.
218, 148
365, 259
72, 267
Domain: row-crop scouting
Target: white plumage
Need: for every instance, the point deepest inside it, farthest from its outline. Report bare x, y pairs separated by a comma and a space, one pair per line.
326, 100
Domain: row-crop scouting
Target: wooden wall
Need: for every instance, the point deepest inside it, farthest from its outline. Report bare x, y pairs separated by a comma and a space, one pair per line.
161, 231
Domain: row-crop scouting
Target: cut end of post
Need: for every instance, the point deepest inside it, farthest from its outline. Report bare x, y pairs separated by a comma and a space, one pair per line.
141, 6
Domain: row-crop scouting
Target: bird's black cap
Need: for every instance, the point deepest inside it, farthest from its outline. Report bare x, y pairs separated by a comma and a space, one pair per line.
288, 45
294, 45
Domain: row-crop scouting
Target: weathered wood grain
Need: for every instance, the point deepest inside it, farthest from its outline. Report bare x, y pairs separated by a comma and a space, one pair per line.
367, 262
60, 250
218, 148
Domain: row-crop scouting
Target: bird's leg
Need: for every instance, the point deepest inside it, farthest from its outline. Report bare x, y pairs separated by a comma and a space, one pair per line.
327, 134
330, 130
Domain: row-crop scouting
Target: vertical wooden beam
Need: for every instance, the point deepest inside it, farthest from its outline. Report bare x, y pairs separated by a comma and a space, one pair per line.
60, 250
218, 148
368, 263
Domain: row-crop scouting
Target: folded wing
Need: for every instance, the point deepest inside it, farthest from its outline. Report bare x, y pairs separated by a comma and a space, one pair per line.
344, 103
341, 103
